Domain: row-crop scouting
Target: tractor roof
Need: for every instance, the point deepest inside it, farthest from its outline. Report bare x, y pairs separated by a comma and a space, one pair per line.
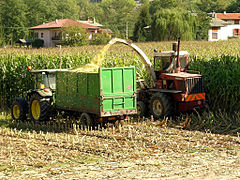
169, 53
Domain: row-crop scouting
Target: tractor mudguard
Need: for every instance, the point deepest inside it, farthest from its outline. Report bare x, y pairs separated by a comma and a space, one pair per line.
43, 93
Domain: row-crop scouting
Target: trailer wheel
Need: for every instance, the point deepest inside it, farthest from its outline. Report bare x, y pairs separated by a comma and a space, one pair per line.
160, 105
39, 108
19, 109
86, 121
141, 109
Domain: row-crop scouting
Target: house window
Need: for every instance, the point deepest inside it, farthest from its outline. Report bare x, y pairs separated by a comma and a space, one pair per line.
41, 35
236, 32
214, 35
214, 32
35, 35
236, 21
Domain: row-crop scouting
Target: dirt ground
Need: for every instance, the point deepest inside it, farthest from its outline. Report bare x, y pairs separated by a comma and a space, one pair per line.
138, 150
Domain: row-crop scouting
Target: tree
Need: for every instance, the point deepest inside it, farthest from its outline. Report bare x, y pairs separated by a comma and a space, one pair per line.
67, 9
2, 40
100, 39
40, 11
74, 35
213, 5
169, 24
234, 7
13, 19
87, 9
118, 14
201, 26
156, 5
144, 19
178, 18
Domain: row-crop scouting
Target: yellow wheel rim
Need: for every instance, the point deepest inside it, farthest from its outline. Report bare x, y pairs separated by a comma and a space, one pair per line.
35, 109
16, 111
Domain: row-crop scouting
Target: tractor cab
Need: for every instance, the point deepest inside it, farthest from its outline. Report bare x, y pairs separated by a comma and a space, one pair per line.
164, 59
45, 79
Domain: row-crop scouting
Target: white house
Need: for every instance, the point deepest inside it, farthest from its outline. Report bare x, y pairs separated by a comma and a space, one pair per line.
224, 26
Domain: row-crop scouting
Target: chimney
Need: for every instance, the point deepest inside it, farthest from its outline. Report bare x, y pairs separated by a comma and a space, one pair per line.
225, 12
94, 20
56, 21
213, 14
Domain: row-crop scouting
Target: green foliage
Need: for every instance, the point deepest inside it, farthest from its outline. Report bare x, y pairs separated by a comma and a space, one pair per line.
234, 7
13, 16
163, 4
116, 14
169, 24
39, 11
171, 19
100, 39
37, 43
144, 19
221, 77
2, 40
213, 5
74, 35
201, 26
87, 9
15, 78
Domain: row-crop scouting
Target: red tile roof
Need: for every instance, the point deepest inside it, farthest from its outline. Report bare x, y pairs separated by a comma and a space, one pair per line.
61, 23
228, 16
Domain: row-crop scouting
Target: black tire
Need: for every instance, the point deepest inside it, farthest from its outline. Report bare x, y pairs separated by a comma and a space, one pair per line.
19, 109
39, 108
86, 121
141, 109
161, 105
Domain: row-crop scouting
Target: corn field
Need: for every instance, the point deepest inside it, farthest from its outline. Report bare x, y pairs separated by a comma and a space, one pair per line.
219, 62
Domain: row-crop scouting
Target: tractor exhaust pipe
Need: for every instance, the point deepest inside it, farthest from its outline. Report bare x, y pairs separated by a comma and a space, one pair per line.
178, 60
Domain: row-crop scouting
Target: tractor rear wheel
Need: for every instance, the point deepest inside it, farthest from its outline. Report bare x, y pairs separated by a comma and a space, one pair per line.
141, 109
19, 109
86, 121
39, 108
160, 105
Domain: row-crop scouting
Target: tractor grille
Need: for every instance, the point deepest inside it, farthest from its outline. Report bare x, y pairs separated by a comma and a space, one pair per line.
195, 85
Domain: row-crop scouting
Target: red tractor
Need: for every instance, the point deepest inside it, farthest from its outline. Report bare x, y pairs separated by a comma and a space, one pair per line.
173, 88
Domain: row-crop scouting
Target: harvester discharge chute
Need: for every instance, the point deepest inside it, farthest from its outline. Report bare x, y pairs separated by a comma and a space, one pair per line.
143, 56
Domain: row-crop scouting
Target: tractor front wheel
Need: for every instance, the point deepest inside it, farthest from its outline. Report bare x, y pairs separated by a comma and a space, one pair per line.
160, 105
39, 108
19, 109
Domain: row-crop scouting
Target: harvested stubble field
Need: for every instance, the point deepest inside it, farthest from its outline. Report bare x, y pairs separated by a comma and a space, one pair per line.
137, 150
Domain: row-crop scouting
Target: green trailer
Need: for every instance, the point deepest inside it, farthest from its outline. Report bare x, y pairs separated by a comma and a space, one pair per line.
109, 94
